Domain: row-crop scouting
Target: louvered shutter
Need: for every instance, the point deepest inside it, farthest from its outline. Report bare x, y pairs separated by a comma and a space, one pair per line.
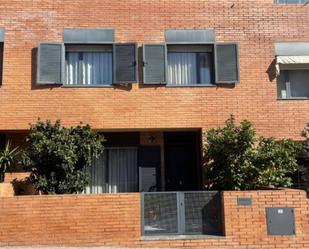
50, 63
227, 66
154, 60
124, 63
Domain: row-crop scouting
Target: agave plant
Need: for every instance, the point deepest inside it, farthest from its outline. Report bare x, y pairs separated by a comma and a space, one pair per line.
7, 158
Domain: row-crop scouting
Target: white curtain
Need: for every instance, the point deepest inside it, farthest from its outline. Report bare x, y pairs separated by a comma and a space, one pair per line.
122, 170
188, 68
98, 176
115, 171
89, 68
181, 68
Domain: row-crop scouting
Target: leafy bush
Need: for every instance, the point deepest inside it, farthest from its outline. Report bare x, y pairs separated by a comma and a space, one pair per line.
58, 157
303, 176
236, 159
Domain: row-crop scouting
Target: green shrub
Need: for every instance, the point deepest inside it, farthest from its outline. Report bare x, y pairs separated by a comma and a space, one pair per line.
8, 157
58, 157
303, 174
236, 159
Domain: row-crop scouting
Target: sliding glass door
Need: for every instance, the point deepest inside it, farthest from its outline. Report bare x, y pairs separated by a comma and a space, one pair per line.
114, 171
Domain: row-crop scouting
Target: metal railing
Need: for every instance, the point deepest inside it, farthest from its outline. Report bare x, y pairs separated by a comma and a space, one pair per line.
186, 213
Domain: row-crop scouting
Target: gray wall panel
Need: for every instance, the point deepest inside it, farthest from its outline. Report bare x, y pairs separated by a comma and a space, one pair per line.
88, 36
292, 48
190, 36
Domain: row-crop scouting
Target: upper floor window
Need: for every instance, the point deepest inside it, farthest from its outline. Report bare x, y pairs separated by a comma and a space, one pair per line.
292, 68
188, 65
89, 65
293, 84
291, 1
190, 58
86, 57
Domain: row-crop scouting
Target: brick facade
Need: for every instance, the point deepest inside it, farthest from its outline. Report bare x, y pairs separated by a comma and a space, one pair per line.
114, 219
254, 25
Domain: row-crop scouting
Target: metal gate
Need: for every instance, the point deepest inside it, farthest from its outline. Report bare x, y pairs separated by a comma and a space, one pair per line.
167, 213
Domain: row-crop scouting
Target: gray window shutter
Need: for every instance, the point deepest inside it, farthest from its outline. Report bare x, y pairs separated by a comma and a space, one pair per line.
154, 60
227, 65
50, 63
124, 63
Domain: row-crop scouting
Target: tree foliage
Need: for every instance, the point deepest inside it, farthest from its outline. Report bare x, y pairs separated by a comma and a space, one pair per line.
58, 157
303, 179
236, 159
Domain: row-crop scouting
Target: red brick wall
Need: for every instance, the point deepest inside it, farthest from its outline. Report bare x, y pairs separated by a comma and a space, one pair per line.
114, 219
255, 25
6, 189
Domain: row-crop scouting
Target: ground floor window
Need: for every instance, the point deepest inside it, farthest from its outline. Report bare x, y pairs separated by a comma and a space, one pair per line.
114, 171
293, 84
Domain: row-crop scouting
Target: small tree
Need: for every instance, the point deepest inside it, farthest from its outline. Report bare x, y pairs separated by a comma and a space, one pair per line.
58, 157
236, 159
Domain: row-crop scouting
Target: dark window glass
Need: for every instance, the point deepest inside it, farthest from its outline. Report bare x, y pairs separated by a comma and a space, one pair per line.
293, 84
291, 1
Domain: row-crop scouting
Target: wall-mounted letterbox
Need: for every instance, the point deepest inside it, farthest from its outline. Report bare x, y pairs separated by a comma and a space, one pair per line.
280, 221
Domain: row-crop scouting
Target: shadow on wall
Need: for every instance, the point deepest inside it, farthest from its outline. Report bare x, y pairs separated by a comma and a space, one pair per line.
271, 70
212, 216
23, 187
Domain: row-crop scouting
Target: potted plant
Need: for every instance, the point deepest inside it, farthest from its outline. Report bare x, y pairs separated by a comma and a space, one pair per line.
7, 159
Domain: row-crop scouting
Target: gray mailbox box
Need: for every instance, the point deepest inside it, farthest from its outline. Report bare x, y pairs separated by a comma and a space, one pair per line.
280, 221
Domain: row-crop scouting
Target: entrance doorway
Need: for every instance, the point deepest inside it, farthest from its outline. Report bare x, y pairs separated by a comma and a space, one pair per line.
182, 161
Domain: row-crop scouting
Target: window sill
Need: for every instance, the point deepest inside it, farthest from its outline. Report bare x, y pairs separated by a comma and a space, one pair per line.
192, 85
181, 237
292, 99
88, 86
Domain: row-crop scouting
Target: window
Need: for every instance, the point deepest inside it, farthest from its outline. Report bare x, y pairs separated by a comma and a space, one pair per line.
1, 61
293, 84
291, 1
86, 65
89, 65
190, 64
114, 171
187, 65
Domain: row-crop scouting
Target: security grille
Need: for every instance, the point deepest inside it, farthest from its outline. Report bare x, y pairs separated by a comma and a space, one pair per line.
195, 213
160, 213
202, 213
